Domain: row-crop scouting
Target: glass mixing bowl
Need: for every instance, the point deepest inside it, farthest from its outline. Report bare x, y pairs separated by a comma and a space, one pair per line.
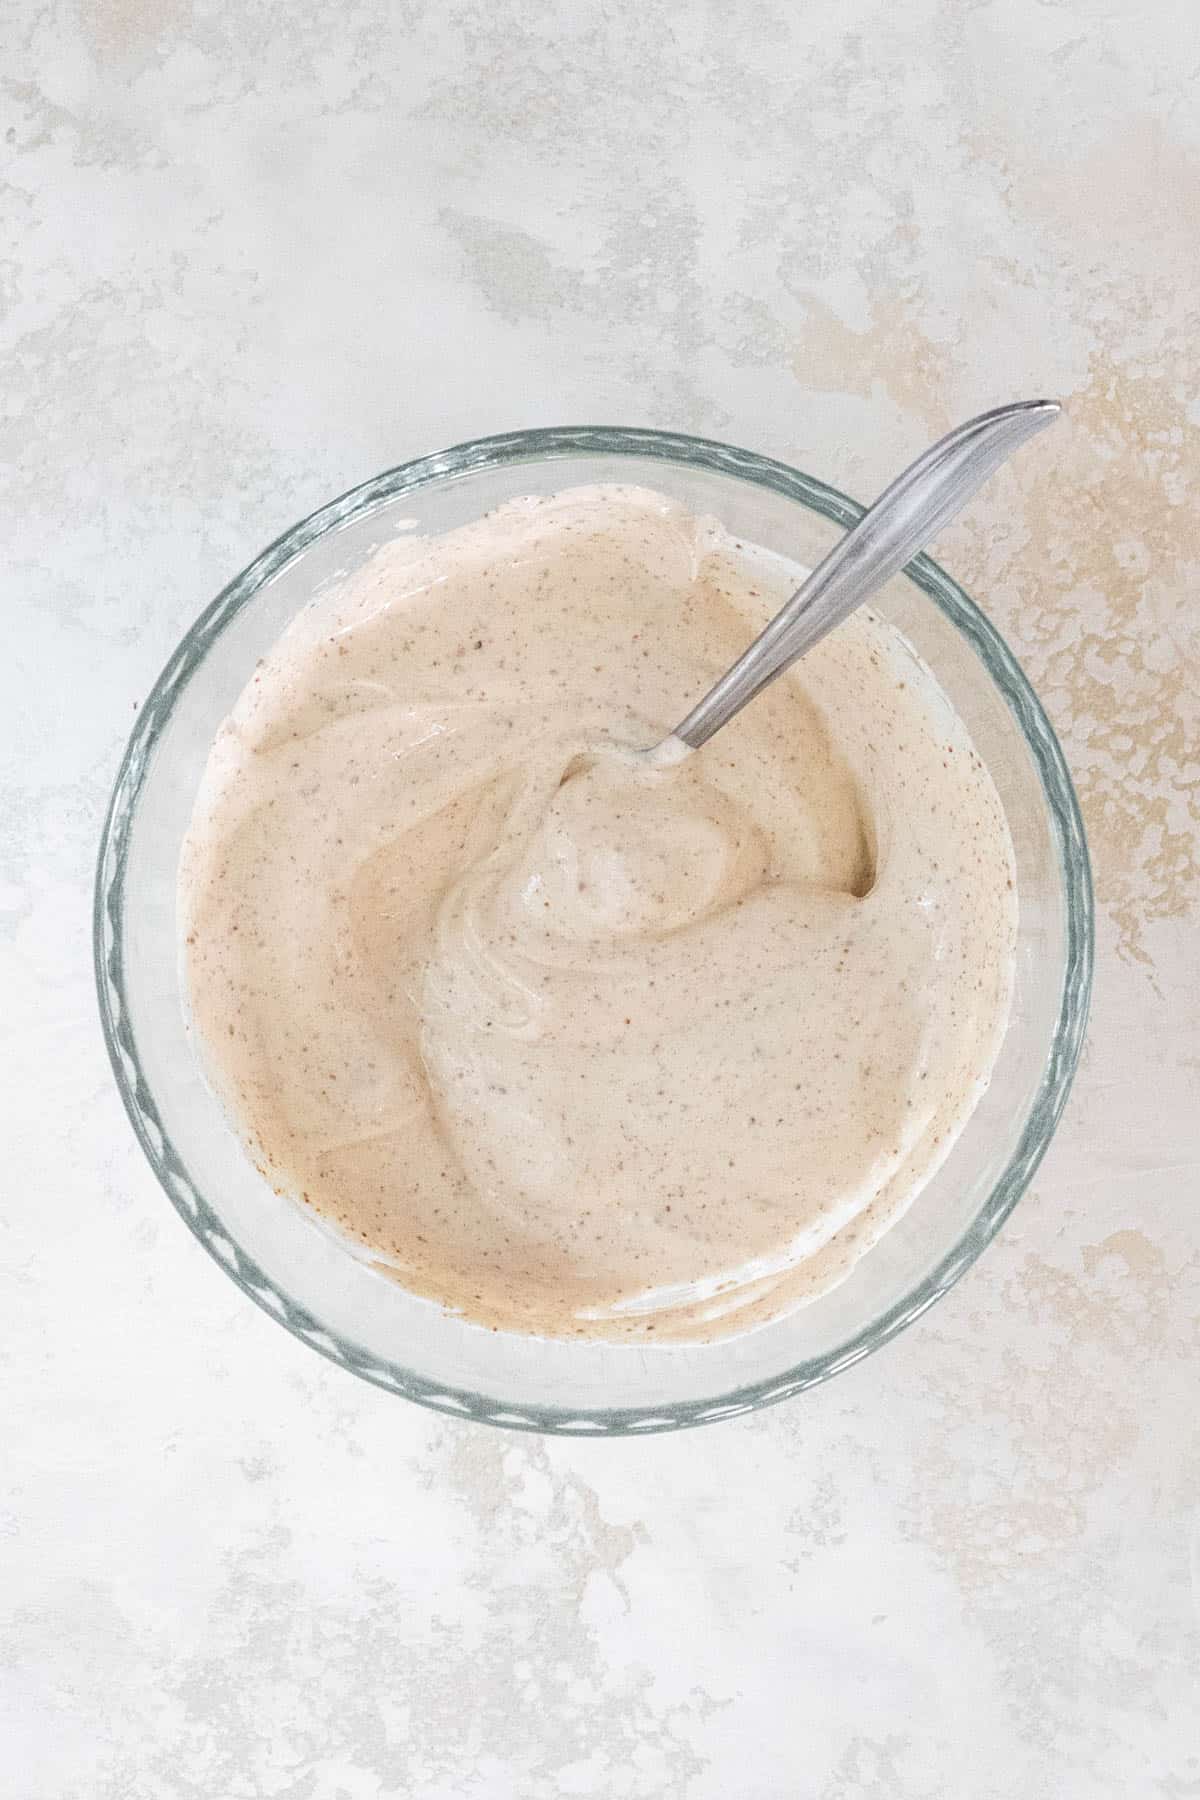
287, 1262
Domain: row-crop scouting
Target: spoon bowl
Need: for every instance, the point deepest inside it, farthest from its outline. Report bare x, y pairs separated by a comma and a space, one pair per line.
340, 1306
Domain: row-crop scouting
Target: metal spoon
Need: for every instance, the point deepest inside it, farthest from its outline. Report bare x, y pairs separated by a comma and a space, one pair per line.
903, 519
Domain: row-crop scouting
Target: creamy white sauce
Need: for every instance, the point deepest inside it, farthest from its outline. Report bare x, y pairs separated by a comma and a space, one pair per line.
567, 1041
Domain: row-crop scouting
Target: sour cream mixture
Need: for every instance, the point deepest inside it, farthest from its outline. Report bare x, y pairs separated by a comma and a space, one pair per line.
568, 1043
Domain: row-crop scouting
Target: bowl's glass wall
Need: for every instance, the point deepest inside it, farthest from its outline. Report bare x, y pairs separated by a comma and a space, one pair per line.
310, 1281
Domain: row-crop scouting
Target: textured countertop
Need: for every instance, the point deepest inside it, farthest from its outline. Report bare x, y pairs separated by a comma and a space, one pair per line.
251, 254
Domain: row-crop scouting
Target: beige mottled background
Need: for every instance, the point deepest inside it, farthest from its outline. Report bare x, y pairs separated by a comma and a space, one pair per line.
251, 253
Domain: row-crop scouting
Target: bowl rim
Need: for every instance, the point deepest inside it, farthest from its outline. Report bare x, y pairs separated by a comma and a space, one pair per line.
541, 445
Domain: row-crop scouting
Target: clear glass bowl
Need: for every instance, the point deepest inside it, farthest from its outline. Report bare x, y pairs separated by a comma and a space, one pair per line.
365, 1322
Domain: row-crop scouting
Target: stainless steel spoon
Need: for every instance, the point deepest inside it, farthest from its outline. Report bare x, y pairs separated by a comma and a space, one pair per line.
903, 519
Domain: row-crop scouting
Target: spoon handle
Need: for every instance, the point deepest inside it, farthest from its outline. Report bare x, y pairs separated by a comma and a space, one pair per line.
903, 519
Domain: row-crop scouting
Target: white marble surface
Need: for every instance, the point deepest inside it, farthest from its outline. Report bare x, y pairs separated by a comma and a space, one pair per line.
251, 254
